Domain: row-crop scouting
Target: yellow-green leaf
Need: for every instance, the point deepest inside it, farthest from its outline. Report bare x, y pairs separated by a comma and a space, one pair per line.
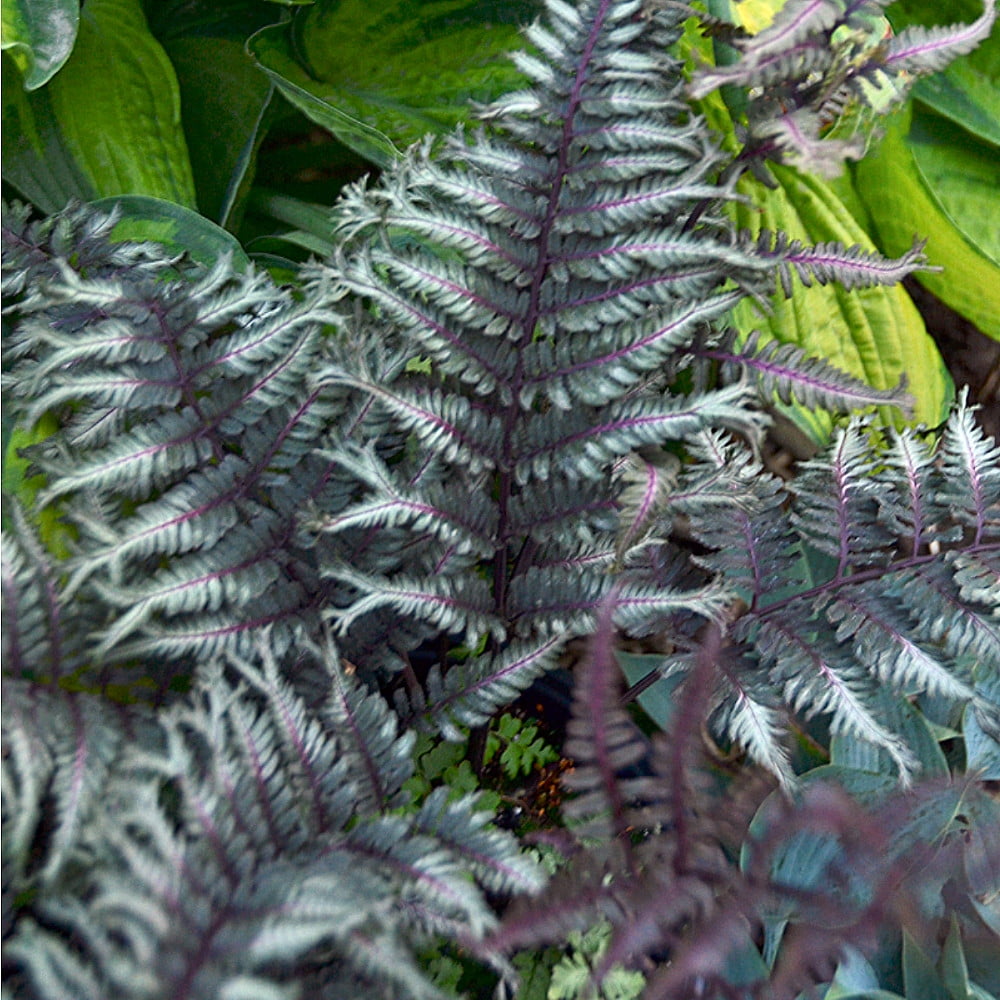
875, 334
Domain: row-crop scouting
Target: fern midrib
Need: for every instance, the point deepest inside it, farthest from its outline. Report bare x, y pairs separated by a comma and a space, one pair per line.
514, 415
864, 576
184, 381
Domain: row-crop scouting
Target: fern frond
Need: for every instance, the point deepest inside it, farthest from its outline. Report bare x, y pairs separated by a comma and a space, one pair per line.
602, 741
582, 448
60, 750
816, 60
819, 676
40, 636
573, 371
189, 427
970, 484
468, 834
468, 697
550, 275
274, 838
446, 424
751, 716
853, 590
465, 524
646, 487
800, 59
942, 615
919, 50
838, 513
851, 267
787, 372
446, 604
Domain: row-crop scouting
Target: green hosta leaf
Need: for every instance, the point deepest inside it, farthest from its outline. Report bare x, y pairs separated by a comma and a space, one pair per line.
919, 974
36, 160
225, 99
39, 36
379, 76
875, 334
967, 95
903, 200
963, 174
954, 971
312, 223
179, 229
109, 121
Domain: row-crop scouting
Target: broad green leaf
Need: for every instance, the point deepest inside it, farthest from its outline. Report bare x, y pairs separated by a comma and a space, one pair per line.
967, 95
225, 99
902, 203
39, 36
875, 334
322, 104
963, 174
179, 229
110, 118
36, 159
313, 225
954, 972
380, 76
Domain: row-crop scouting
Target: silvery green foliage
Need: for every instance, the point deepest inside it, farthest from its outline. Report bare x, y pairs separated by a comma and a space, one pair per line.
820, 58
559, 278
717, 886
876, 571
234, 457
242, 467
243, 844
188, 434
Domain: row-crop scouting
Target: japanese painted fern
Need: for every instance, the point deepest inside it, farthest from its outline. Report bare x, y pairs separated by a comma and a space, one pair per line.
465, 427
